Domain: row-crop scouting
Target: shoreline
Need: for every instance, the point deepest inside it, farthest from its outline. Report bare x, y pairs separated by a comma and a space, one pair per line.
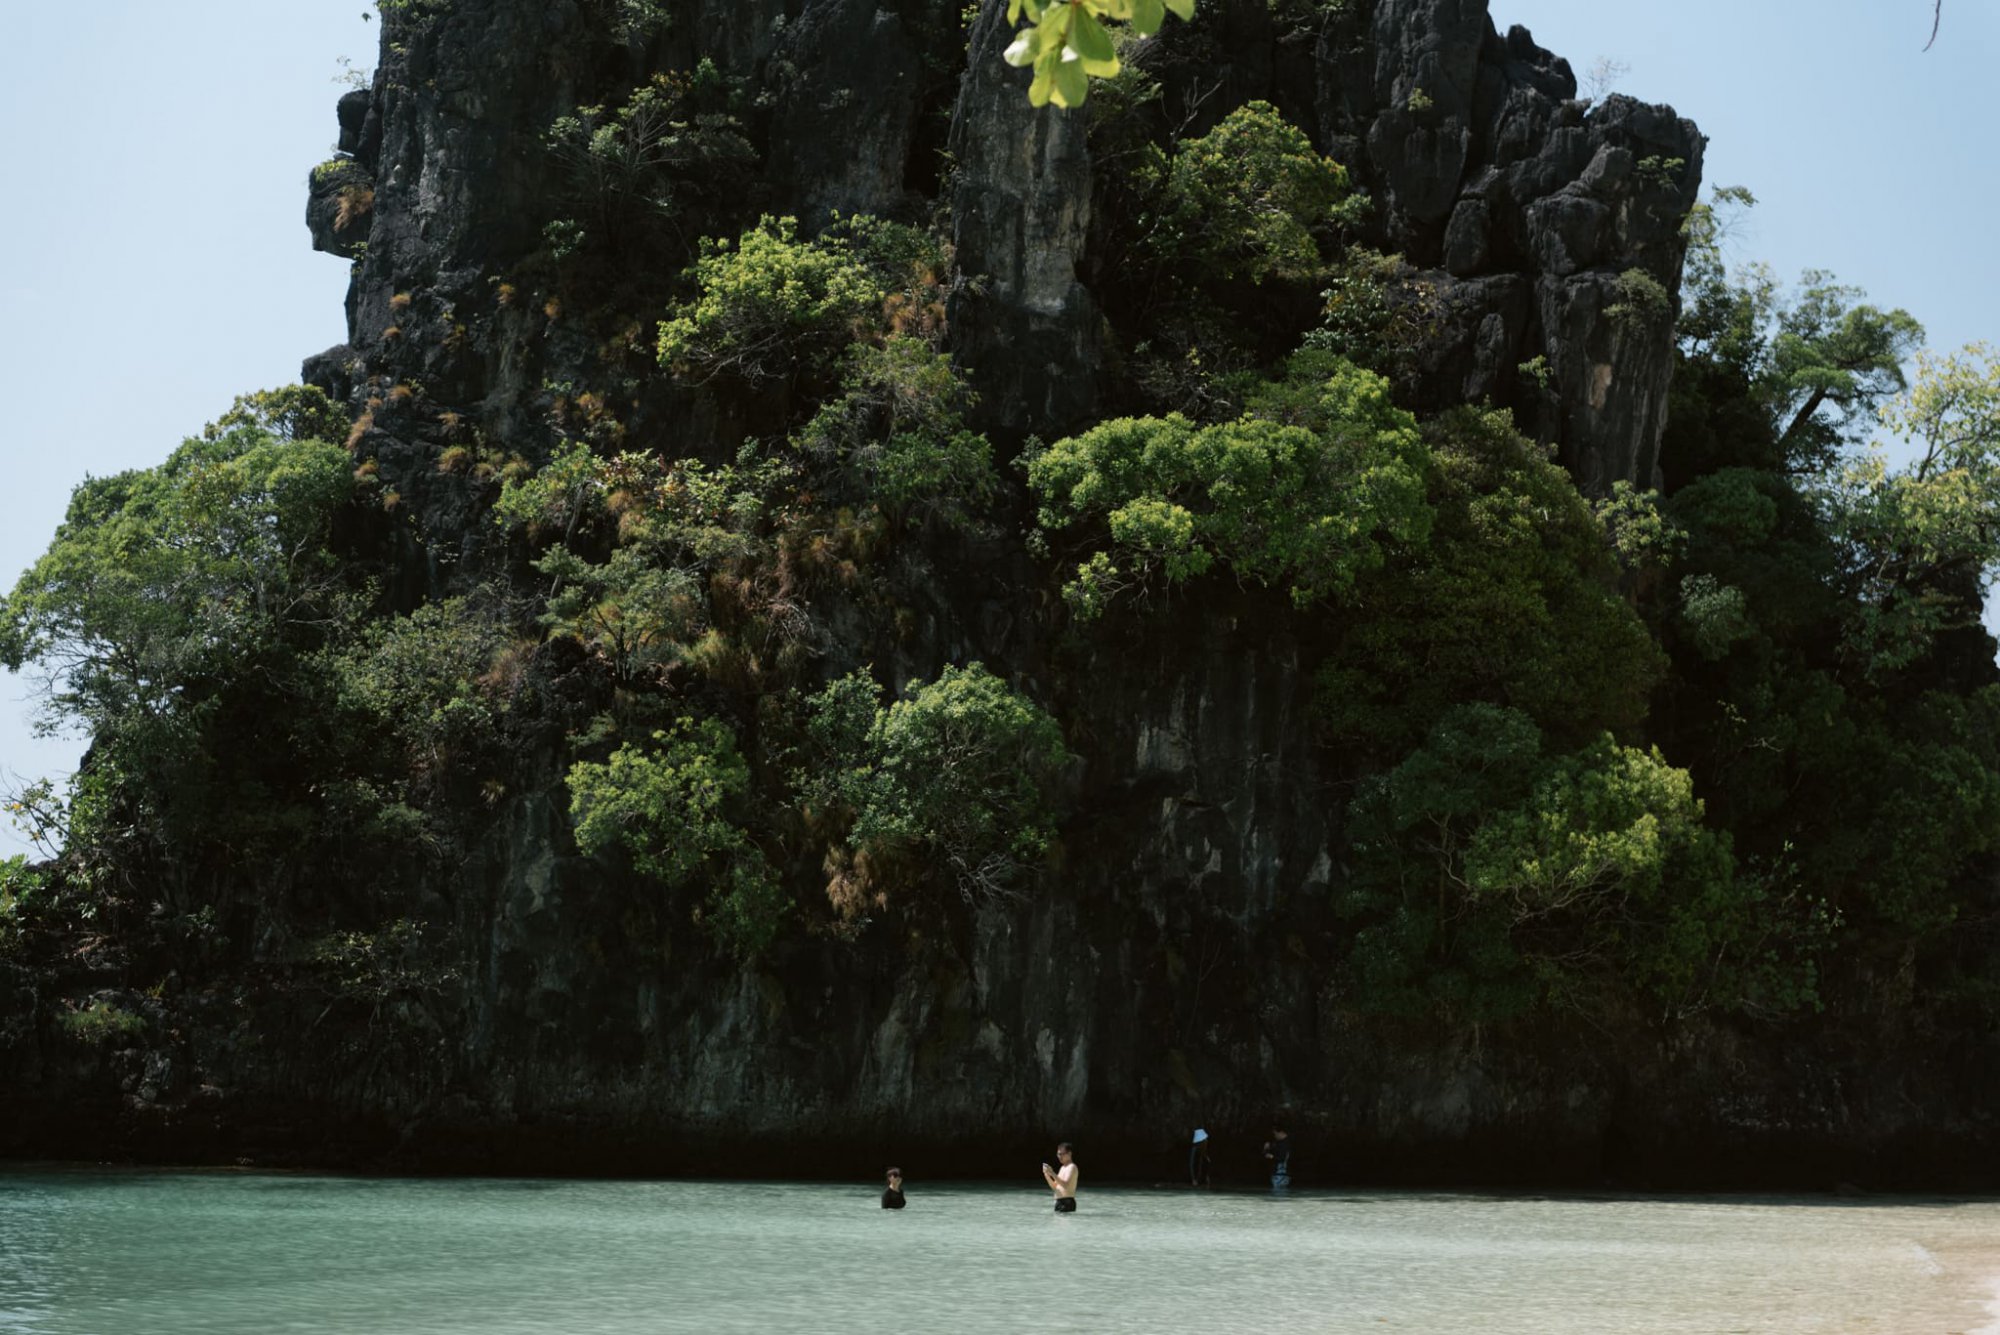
1988, 1263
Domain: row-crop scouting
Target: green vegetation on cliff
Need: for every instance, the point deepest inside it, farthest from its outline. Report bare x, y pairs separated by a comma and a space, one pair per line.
1309, 489
773, 306
1493, 876
961, 772
175, 607
1514, 601
1830, 686
664, 804
785, 634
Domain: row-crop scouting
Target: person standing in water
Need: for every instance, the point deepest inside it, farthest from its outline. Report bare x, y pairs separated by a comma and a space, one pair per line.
892, 1198
1278, 1149
1200, 1172
1062, 1180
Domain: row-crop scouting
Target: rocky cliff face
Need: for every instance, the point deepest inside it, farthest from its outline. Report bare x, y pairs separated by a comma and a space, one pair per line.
1174, 974
1535, 207
1523, 207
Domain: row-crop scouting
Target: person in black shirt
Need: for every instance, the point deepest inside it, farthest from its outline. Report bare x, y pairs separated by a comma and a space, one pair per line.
892, 1198
1278, 1149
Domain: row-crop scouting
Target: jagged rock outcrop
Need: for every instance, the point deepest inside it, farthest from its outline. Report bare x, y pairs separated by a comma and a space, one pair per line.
1522, 208
1528, 208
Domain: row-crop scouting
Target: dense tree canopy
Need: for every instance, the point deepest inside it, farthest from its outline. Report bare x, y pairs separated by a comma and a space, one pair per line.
1307, 490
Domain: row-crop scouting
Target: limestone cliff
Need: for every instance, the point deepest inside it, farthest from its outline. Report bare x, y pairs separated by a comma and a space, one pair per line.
1175, 972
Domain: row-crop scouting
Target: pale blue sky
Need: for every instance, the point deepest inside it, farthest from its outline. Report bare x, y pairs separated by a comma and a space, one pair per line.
1868, 155
154, 260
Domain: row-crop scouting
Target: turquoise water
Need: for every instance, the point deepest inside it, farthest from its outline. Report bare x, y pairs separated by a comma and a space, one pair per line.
138, 1253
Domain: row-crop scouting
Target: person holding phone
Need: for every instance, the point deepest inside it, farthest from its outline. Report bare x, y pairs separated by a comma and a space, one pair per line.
1062, 1180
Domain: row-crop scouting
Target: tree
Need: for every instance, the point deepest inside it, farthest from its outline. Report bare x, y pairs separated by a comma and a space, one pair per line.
666, 805
1243, 201
175, 618
290, 412
1514, 600
960, 772
1920, 545
1225, 249
1493, 876
162, 581
895, 436
1603, 75
1777, 380
773, 307
416, 678
669, 526
1830, 670
1309, 489
770, 305
1832, 361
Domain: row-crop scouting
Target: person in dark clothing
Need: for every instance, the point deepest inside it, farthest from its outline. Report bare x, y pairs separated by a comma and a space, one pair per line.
892, 1198
1278, 1149
1200, 1171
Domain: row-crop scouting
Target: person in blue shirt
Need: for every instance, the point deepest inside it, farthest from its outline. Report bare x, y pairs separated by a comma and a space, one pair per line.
1200, 1171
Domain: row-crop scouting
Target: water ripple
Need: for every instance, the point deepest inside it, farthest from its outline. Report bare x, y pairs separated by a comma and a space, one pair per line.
92, 1253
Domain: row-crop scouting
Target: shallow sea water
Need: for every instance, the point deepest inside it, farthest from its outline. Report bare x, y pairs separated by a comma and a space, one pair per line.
86, 1252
